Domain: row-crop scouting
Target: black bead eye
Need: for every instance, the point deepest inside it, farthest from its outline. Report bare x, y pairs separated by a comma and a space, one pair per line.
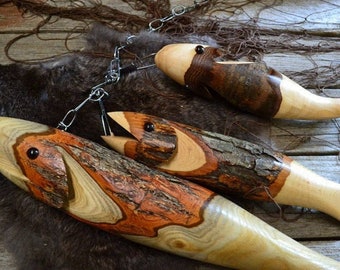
148, 126
32, 153
199, 49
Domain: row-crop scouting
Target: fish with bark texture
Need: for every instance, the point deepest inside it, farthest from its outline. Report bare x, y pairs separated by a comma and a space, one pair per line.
249, 86
223, 163
119, 195
39, 236
44, 92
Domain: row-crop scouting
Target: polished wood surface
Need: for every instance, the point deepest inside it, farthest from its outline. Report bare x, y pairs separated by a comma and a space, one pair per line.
223, 163
253, 87
313, 144
102, 188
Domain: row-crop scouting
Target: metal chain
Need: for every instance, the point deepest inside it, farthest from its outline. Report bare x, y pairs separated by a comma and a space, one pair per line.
96, 95
176, 11
114, 70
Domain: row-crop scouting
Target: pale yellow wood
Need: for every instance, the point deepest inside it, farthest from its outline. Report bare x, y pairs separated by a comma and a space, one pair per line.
174, 61
231, 236
305, 188
228, 235
116, 142
9, 132
287, 16
302, 187
327, 166
188, 157
89, 201
299, 103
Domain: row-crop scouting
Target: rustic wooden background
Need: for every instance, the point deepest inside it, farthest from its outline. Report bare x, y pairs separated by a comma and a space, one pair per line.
319, 19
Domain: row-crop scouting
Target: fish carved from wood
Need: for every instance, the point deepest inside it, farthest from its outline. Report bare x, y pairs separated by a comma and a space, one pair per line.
117, 194
223, 163
250, 86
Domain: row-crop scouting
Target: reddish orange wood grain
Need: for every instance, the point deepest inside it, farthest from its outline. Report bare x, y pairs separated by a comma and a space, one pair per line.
119, 195
231, 166
147, 200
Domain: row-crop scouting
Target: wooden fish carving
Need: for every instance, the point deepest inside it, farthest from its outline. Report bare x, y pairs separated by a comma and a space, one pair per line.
114, 193
249, 86
223, 163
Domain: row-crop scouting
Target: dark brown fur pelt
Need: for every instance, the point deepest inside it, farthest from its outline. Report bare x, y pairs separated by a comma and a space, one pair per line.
40, 237
44, 92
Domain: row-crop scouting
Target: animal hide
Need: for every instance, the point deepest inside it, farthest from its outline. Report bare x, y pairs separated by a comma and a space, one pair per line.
40, 237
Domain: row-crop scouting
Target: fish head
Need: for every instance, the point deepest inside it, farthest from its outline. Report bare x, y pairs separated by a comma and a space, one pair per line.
32, 161
170, 146
153, 140
189, 65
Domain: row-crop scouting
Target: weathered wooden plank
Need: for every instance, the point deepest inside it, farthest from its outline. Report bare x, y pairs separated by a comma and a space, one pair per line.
317, 17
11, 19
295, 62
326, 166
311, 225
306, 137
329, 248
47, 44
32, 47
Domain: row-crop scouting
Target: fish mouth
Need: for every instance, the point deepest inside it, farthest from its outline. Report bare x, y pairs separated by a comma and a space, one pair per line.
117, 141
147, 137
152, 140
181, 153
10, 130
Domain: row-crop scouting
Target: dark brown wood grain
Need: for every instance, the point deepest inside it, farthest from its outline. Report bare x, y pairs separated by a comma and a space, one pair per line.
251, 87
314, 144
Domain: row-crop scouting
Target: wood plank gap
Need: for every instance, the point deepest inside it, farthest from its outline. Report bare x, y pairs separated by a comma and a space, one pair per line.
318, 239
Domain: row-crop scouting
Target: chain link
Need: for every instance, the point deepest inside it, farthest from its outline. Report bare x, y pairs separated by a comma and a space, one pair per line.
176, 11
114, 70
96, 95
